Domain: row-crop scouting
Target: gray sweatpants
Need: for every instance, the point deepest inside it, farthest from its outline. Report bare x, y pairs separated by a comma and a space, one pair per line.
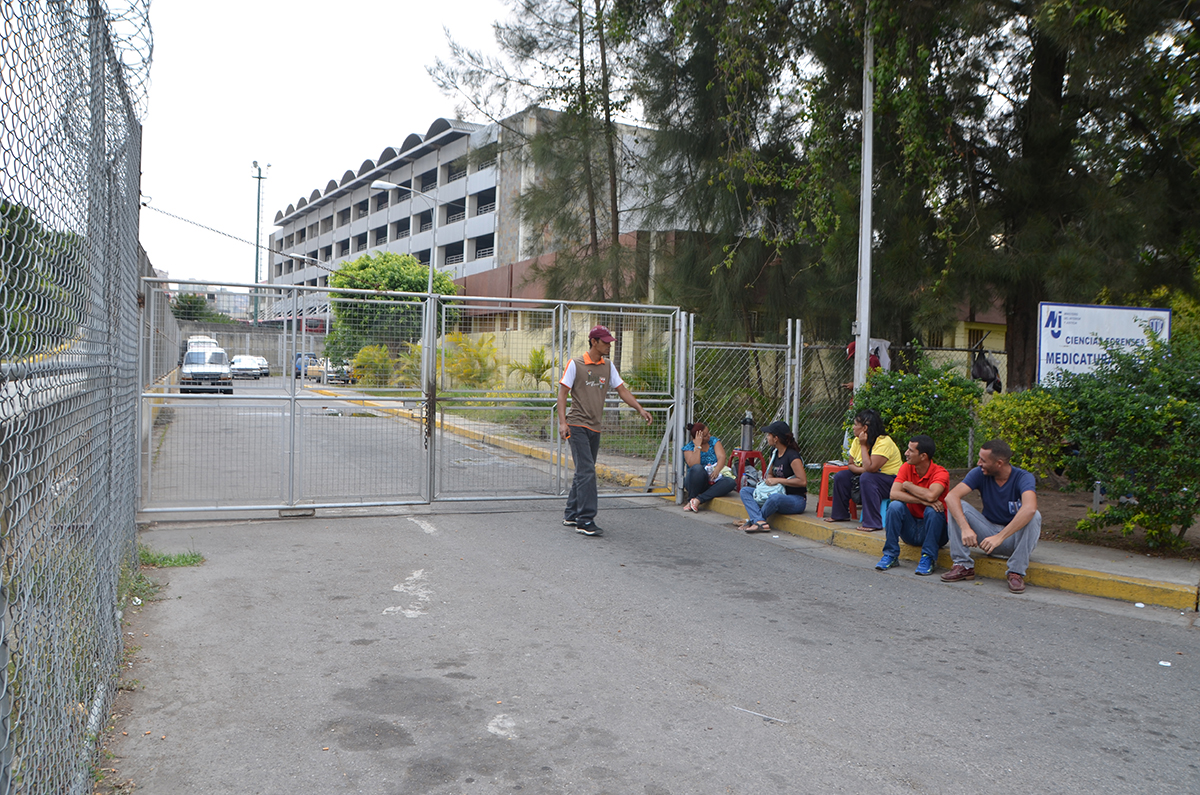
1016, 547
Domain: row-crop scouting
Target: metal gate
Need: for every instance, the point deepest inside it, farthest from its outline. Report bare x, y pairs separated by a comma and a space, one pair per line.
378, 398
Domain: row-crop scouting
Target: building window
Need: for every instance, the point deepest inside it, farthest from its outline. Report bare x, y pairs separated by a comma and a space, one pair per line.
484, 246
975, 336
425, 221
343, 217
429, 179
934, 339
327, 254
301, 235
422, 257
289, 241
360, 242
343, 248
456, 170
379, 235
312, 229
381, 200
400, 228
327, 224
455, 211
362, 209
454, 254
484, 201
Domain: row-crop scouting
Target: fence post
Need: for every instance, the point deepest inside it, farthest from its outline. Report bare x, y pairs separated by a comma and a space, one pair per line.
970, 446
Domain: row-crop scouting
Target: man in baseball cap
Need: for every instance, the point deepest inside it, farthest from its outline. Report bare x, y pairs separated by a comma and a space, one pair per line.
588, 378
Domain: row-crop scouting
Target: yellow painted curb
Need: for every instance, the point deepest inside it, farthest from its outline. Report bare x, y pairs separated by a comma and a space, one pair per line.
603, 471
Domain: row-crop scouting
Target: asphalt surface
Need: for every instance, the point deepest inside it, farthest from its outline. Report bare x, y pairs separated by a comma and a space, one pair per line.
493, 650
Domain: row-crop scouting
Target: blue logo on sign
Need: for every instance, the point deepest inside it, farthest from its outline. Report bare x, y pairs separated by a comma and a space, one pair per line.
1156, 325
1054, 321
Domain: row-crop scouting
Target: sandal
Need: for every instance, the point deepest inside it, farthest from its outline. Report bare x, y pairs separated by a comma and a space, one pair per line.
868, 529
759, 527
694, 505
745, 526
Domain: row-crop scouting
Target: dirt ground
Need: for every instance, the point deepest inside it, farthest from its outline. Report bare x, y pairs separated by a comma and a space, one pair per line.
1061, 510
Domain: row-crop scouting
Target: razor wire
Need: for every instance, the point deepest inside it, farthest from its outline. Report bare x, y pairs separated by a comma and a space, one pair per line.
72, 85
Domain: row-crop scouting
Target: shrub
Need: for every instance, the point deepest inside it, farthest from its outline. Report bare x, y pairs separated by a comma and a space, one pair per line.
372, 366
932, 400
1035, 423
1135, 425
472, 362
537, 370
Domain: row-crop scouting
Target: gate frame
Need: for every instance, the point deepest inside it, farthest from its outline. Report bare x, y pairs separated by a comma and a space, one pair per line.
295, 332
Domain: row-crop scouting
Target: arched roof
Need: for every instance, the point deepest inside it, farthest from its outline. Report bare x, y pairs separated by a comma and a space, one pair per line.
316, 194
291, 209
279, 215
331, 186
365, 167
386, 155
348, 177
438, 126
412, 141
302, 203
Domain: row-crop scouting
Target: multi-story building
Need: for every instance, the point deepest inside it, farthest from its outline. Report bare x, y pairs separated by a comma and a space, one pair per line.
456, 206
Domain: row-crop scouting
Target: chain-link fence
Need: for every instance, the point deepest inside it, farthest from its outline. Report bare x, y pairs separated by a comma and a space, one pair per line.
70, 161
826, 382
730, 380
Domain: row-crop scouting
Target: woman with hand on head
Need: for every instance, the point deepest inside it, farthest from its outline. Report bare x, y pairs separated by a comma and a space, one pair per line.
705, 458
875, 459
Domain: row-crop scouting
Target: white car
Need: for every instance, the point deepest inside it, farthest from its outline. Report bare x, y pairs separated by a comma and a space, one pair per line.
263, 365
245, 367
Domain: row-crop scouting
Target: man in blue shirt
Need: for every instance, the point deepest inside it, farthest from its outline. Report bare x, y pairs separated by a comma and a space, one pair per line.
1009, 524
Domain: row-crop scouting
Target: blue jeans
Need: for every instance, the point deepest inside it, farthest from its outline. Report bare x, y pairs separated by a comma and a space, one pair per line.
698, 487
776, 503
929, 533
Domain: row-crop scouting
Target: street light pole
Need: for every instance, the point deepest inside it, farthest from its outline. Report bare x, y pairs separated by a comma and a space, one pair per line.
257, 235
381, 185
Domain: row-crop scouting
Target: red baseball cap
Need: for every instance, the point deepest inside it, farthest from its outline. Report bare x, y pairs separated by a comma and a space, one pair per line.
601, 333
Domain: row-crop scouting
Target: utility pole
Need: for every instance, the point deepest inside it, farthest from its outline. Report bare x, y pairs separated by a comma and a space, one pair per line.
862, 326
257, 237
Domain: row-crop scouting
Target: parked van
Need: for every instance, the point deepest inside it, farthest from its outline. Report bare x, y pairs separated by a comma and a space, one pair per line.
205, 369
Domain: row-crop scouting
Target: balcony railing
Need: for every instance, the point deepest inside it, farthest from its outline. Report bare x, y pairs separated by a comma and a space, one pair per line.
456, 216
380, 240
403, 233
426, 226
361, 246
483, 253
486, 164
457, 175
363, 212
454, 259
484, 209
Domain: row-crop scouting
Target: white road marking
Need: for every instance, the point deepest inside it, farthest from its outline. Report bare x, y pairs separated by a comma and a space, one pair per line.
420, 591
424, 525
503, 726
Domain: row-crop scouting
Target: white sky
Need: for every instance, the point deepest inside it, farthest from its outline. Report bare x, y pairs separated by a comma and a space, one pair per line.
313, 88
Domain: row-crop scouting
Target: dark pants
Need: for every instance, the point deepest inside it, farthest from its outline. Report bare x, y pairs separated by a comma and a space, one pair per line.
581, 502
929, 533
875, 488
698, 487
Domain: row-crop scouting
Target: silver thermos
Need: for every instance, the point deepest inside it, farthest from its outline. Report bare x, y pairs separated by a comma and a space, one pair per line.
747, 432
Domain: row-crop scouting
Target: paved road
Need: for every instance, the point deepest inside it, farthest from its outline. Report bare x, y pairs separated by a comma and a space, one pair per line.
495, 651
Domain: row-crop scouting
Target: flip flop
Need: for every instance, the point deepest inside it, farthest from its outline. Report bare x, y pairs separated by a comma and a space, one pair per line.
868, 529
759, 527
745, 526
694, 505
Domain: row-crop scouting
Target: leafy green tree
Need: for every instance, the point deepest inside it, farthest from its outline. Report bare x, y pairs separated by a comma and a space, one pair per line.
472, 362
192, 306
360, 321
372, 366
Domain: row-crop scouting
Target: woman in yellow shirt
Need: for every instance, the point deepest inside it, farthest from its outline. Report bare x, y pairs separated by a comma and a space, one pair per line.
874, 459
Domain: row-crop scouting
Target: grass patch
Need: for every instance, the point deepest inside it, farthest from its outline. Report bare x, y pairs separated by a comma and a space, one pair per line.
164, 560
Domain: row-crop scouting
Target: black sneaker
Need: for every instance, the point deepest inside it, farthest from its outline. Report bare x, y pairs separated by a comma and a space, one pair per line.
588, 529
569, 522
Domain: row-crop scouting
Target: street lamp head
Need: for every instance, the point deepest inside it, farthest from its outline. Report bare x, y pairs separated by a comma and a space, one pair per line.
254, 164
381, 185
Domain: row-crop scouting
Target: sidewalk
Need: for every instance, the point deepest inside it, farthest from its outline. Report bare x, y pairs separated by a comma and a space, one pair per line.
1094, 571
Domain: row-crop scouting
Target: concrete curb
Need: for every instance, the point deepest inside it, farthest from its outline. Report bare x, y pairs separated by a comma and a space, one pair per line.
1043, 575
603, 471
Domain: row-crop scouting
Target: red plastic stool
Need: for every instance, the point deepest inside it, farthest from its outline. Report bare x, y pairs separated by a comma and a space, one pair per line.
825, 491
744, 457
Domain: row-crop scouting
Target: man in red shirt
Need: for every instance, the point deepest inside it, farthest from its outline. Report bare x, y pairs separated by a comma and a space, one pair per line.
917, 514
